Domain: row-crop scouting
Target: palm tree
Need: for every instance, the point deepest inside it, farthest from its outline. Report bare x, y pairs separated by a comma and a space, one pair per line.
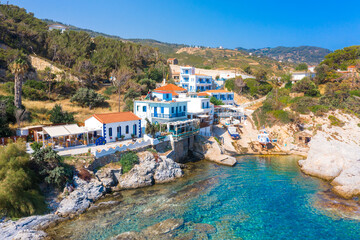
18, 68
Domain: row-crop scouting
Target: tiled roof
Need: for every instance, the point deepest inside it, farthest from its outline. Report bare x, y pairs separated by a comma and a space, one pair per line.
170, 87
351, 66
116, 117
202, 94
217, 91
171, 92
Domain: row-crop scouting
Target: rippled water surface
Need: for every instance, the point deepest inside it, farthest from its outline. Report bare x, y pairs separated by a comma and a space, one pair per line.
259, 198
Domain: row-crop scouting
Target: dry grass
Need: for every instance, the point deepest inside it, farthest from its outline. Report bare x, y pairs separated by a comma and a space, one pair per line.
39, 109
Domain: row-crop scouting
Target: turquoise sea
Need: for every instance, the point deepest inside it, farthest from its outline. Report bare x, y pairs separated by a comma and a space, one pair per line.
259, 198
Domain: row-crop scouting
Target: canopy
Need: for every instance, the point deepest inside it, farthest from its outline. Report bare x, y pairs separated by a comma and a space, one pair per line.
63, 130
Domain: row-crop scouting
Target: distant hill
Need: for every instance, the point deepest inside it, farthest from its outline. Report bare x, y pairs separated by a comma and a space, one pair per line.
164, 48
308, 54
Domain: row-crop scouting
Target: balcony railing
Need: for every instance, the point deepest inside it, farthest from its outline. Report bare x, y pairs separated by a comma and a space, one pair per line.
167, 115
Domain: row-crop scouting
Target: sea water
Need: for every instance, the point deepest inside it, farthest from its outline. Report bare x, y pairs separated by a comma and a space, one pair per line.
259, 198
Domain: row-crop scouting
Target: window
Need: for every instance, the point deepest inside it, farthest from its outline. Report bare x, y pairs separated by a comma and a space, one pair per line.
184, 108
207, 104
144, 108
172, 110
127, 129
110, 132
167, 96
162, 109
203, 105
137, 108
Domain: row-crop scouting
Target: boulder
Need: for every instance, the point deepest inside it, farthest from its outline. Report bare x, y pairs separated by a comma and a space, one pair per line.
167, 170
27, 228
336, 161
81, 198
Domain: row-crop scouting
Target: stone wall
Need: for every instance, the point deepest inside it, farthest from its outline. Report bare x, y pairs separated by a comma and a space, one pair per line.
181, 149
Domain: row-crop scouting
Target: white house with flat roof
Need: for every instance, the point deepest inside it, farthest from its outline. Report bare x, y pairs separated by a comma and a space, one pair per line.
202, 109
225, 96
194, 82
112, 126
297, 76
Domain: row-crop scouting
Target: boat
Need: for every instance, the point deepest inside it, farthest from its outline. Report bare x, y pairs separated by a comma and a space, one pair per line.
263, 138
233, 132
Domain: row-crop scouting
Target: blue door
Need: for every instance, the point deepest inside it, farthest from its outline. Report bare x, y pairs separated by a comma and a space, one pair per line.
155, 112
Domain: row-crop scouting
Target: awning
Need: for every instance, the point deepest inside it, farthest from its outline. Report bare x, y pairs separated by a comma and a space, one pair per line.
63, 130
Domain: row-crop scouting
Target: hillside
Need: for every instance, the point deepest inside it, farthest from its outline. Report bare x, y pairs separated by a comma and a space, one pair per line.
213, 58
308, 54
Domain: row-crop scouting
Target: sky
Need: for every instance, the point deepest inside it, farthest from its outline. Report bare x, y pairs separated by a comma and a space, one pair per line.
248, 24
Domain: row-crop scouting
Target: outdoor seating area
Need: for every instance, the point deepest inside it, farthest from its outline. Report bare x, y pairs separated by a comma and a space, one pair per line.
181, 129
66, 136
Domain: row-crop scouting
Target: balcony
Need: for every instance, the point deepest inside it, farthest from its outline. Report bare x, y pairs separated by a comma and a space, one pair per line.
167, 115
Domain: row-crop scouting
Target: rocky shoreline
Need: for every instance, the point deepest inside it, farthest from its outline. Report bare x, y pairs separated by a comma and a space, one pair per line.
149, 171
334, 156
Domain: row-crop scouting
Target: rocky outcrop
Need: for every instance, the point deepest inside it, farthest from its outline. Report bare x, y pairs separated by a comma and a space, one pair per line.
81, 198
149, 171
334, 156
27, 228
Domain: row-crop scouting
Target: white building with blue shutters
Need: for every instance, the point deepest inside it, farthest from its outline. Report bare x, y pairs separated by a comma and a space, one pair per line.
194, 82
112, 126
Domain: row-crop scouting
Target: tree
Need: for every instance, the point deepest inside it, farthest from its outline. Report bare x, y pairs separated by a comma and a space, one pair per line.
57, 115
321, 73
18, 68
248, 70
150, 128
48, 164
19, 194
260, 75
301, 67
215, 101
122, 76
149, 83
307, 87
87, 98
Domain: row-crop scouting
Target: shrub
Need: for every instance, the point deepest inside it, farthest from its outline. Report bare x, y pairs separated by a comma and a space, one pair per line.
36, 146
9, 87
87, 98
110, 90
217, 140
283, 116
35, 84
306, 86
288, 85
302, 104
128, 160
334, 121
84, 174
215, 101
19, 194
57, 115
319, 110
50, 167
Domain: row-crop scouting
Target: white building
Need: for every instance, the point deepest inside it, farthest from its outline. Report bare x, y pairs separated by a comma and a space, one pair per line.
112, 126
297, 76
194, 82
202, 109
225, 96
60, 27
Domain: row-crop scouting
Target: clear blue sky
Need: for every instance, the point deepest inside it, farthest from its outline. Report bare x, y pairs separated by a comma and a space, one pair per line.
249, 24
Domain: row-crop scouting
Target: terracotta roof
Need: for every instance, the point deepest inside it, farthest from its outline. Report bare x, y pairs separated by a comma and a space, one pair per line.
116, 117
171, 59
352, 66
217, 91
203, 94
170, 87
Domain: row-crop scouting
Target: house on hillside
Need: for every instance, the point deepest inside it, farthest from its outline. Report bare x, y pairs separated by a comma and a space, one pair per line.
172, 61
58, 26
111, 126
297, 76
176, 91
194, 82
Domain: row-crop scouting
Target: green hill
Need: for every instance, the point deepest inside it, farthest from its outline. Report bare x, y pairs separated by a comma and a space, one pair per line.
307, 54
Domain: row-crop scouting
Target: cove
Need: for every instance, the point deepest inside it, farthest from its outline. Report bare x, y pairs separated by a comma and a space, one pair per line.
259, 198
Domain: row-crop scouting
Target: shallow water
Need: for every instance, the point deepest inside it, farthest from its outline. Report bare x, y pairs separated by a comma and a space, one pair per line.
259, 198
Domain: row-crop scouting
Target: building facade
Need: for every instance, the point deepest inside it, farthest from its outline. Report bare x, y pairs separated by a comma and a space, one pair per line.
225, 96
194, 82
112, 126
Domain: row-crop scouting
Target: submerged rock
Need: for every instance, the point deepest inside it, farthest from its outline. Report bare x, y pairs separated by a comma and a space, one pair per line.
164, 227
129, 236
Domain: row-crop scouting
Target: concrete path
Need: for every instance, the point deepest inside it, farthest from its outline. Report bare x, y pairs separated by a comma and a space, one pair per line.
221, 132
